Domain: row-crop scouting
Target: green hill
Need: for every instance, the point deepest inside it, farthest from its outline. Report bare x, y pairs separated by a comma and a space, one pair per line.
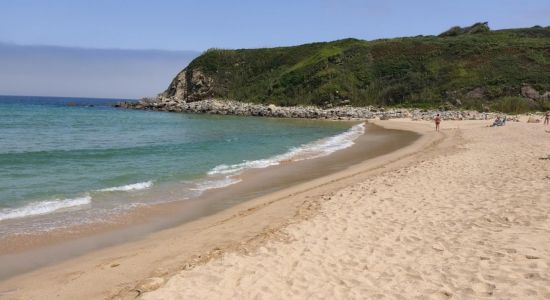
471, 67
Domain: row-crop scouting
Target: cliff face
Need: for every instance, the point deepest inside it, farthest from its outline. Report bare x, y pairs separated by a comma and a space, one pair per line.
469, 67
190, 85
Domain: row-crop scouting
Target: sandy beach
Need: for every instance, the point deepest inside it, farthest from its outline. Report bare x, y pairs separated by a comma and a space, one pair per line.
462, 214
170, 150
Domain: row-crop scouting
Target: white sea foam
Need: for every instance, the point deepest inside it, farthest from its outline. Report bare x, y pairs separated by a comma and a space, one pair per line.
43, 207
319, 148
254, 164
129, 187
215, 184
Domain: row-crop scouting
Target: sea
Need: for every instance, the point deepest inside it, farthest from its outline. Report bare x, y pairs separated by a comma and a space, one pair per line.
74, 161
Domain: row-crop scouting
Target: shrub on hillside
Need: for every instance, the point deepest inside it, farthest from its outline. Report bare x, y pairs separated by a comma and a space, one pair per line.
514, 105
477, 28
453, 31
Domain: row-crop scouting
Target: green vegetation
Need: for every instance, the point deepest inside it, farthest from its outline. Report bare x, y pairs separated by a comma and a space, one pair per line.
474, 29
513, 105
471, 67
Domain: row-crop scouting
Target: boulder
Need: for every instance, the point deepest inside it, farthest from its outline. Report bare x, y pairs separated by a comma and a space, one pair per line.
476, 93
529, 92
533, 120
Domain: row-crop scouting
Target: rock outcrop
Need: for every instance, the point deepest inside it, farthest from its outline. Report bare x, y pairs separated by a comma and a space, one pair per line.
528, 91
477, 93
190, 85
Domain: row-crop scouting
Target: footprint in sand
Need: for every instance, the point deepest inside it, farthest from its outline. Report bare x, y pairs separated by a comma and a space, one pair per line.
483, 288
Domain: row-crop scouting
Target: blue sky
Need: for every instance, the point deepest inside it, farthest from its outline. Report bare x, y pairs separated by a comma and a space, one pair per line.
73, 30
199, 25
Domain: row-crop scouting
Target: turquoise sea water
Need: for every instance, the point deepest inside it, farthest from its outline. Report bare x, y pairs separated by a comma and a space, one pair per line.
56, 159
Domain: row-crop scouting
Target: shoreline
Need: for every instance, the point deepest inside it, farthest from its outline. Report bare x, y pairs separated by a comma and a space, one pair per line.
215, 225
97, 203
169, 195
62, 244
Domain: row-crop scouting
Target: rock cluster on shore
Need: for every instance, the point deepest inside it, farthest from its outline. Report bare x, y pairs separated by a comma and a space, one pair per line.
346, 112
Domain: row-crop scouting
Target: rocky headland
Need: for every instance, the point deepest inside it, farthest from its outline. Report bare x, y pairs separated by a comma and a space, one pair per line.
355, 79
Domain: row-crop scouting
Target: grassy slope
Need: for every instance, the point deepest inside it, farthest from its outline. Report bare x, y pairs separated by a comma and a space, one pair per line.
423, 71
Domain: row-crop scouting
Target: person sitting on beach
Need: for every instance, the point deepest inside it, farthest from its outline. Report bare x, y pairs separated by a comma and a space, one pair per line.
546, 118
497, 122
437, 120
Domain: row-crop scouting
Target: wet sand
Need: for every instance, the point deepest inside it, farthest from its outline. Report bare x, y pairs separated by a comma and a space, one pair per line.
19, 254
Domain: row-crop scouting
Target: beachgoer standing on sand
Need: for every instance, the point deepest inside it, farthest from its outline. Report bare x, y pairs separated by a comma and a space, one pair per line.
437, 120
547, 118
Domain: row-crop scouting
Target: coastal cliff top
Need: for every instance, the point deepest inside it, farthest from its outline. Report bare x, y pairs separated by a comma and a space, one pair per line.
465, 67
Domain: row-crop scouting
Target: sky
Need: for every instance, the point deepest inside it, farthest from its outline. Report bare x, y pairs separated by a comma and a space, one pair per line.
87, 72
198, 25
